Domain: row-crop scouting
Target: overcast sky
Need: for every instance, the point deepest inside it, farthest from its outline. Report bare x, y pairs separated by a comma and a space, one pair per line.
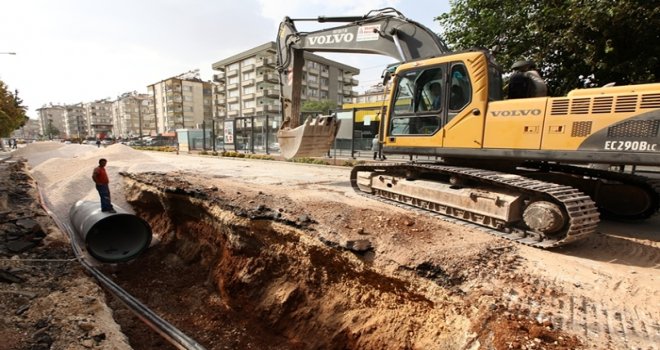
70, 51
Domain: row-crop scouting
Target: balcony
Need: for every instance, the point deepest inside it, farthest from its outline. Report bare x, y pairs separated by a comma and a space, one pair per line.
219, 89
249, 96
265, 63
325, 73
232, 73
354, 82
269, 77
347, 80
269, 108
232, 113
347, 92
248, 110
220, 101
233, 86
219, 77
247, 82
221, 113
247, 68
271, 93
232, 99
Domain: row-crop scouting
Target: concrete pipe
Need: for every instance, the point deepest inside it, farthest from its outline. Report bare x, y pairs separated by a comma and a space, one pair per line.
110, 237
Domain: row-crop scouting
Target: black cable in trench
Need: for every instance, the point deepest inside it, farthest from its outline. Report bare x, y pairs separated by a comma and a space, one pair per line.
166, 330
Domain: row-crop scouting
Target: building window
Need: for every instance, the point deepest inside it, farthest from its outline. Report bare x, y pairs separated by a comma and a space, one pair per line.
248, 61
248, 104
233, 93
324, 81
233, 66
312, 78
313, 65
313, 92
187, 88
234, 107
187, 98
324, 94
233, 80
248, 75
249, 90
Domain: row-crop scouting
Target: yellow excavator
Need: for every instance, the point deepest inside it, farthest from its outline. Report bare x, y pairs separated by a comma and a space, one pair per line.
522, 168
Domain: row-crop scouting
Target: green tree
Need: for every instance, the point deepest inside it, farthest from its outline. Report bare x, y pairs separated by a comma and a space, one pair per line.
51, 131
615, 40
322, 106
12, 111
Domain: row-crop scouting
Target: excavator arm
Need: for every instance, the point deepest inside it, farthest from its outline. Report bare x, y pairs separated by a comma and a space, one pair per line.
384, 32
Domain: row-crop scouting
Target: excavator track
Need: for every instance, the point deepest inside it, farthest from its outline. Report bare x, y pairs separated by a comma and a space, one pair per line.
581, 215
649, 186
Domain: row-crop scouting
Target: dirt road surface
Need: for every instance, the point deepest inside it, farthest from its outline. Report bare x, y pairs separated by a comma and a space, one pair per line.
402, 279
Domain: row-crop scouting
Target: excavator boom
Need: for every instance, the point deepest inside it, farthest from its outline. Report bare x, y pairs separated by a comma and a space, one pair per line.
385, 32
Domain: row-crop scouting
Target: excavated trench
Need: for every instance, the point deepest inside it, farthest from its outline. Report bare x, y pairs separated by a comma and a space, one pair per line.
236, 271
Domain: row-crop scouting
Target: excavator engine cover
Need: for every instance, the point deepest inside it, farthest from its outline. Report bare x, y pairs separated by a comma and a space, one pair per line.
312, 139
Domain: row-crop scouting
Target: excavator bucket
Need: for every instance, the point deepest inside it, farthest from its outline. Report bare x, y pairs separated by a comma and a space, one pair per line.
312, 139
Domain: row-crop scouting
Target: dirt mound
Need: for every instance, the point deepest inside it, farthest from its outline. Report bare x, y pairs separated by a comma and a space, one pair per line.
46, 300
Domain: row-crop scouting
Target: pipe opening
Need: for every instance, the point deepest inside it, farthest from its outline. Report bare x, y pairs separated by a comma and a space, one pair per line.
118, 237
110, 237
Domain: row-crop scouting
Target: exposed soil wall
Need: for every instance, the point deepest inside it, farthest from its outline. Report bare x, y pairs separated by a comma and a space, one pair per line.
263, 271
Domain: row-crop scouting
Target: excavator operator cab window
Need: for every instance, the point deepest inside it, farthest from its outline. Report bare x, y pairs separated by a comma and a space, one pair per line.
460, 91
418, 102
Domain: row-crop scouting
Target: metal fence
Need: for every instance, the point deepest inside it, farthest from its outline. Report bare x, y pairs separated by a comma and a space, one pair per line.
258, 134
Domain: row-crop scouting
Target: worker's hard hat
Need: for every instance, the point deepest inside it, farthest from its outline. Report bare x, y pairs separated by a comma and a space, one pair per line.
522, 64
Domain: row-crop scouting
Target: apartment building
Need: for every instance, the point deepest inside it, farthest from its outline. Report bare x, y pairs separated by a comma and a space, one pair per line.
30, 131
99, 118
51, 121
75, 121
133, 115
183, 101
247, 84
375, 93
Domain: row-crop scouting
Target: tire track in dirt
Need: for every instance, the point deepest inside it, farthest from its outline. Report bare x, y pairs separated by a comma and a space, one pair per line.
594, 321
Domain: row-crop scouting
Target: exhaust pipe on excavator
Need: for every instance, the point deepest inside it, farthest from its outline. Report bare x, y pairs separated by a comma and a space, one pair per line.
110, 237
